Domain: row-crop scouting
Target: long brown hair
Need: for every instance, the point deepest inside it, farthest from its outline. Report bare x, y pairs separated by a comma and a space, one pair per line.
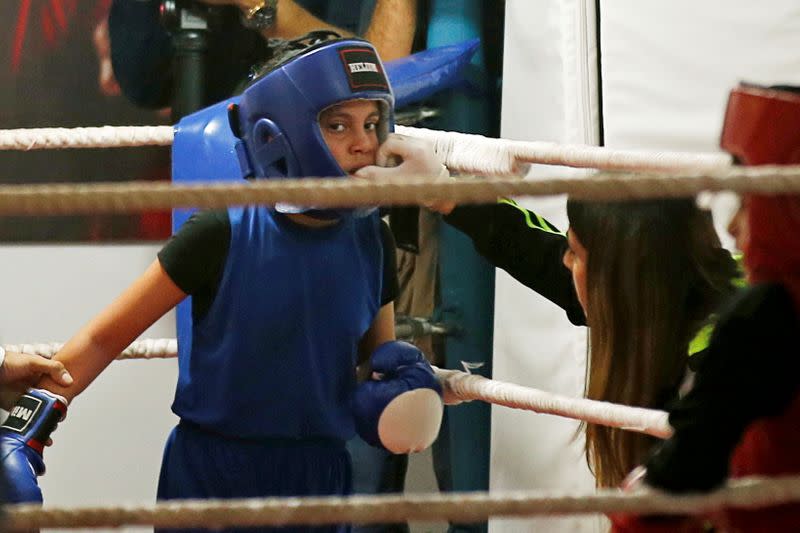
655, 272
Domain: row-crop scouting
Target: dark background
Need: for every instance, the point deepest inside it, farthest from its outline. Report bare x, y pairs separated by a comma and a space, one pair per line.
49, 71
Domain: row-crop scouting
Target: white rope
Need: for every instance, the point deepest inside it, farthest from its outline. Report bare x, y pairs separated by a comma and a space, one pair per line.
750, 493
141, 349
458, 387
98, 137
462, 152
478, 154
462, 386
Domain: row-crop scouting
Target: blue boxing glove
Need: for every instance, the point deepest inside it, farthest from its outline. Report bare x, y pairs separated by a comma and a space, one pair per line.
400, 408
23, 437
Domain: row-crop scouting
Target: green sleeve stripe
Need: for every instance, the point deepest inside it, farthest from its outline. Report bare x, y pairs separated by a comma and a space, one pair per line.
741, 281
701, 340
539, 224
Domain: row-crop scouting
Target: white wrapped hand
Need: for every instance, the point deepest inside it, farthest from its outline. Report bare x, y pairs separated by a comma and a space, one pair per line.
401, 156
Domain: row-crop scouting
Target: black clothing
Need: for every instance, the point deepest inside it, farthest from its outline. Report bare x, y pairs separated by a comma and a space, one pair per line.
531, 249
751, 370
142, 53
194, 258
526, 246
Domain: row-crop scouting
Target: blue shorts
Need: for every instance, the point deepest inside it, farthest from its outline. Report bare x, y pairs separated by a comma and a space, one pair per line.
201, 464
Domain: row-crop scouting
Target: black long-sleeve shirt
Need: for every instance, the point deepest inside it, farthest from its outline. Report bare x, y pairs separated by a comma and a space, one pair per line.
751, 370
531, 250
526, 246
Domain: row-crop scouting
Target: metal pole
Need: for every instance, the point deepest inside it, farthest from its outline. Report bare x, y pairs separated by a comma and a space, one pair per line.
189, 25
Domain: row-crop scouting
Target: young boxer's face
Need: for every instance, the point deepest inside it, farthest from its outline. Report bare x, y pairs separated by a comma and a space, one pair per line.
351, 131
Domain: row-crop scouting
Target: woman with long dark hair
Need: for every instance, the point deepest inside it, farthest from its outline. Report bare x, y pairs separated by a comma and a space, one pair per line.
742, 416
645, 276
653, 272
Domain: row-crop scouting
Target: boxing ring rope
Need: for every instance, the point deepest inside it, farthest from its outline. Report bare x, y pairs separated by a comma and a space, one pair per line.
337, 192
465, 152
458, 507
462, 152
691, 173
141, 349
465, 387
458, 387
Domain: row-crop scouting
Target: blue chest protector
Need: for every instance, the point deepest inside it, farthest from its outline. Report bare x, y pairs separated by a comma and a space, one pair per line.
275, 355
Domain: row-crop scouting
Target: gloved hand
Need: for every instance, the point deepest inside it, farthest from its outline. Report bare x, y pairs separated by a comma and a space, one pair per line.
23, 437
400, 408
633, 523
402, 156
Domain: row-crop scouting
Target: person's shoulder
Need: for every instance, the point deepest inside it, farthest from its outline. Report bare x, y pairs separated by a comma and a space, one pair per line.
762, 301
761, 317
208, 220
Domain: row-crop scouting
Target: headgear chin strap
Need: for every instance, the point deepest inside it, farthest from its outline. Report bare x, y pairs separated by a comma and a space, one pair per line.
277, 116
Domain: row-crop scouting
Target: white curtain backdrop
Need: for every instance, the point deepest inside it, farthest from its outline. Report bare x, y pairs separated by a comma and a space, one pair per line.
667, 68
548, 95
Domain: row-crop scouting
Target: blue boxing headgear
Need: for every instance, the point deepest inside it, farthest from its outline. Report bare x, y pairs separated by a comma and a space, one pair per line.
278, 114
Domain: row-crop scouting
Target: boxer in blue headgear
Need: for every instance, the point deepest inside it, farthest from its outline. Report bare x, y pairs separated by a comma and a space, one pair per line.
280, 116
283, 307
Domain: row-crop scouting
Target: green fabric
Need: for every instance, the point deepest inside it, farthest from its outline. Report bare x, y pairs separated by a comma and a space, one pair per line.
703, 337
539, 224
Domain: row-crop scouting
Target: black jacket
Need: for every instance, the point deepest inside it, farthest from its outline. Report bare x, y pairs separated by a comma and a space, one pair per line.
526, 246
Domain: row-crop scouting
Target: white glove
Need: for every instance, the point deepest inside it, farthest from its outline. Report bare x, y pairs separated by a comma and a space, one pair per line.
402, 156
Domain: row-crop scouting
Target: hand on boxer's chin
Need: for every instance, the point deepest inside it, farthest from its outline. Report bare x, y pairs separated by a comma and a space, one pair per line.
403, 157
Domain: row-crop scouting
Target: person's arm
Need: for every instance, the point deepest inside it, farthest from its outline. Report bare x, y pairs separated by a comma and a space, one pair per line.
512, 238
37, 413
98, 343
749, 372
381, 331
523, 244
382, 328
293, 20
391, 28
190, 263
